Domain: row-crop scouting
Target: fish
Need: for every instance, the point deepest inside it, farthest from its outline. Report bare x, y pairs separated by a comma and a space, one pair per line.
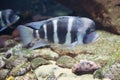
7, 18
85, 67
68, 31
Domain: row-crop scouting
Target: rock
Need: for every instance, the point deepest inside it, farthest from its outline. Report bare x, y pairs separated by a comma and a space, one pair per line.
18, 50
112, 69
45, 71
2, 62
20, 69
112, 72
10, 62
46, 53
85, 67
20, 60
38, 62
14, 61
65, 62
28, 76
3, 73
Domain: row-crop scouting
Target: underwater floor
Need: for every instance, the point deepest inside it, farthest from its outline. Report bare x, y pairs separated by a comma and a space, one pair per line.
56, 63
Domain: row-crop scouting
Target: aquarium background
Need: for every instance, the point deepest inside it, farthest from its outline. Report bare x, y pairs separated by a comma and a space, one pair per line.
19, 63
36, 7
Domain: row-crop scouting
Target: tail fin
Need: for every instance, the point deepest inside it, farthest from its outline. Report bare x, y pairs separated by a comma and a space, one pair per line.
26, 34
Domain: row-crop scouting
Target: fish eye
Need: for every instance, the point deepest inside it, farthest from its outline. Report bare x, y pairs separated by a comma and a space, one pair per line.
90, 30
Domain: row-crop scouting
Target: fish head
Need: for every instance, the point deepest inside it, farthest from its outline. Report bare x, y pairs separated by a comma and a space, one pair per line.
8, 17
90, 36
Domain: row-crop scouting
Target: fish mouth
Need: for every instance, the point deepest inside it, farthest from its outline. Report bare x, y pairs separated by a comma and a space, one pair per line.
91, 37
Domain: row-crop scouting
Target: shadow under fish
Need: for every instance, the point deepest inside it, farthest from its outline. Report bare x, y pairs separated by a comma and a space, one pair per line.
66, 30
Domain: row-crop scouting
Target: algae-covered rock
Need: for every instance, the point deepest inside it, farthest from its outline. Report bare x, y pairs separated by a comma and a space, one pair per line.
46, 53
38, 62
18, 50
111, 70
15, 61
47, 71
3, 73
20, 69
65, 61
44, 71
10, 62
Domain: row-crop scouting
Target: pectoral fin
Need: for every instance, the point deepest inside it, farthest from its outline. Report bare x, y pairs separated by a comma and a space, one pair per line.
38, 44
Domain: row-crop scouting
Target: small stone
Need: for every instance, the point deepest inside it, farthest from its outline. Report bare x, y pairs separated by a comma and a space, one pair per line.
20, 69
66, 62
3, 73
38, 62
85, 67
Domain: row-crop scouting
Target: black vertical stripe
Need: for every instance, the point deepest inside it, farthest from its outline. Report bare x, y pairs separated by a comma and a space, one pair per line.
75, 26
50, 31
41, 32
62, 29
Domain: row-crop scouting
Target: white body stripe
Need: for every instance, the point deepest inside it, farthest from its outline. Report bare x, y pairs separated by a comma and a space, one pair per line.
55, 31
0, 14
37, 34
68, 36
2, 24
45, 30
